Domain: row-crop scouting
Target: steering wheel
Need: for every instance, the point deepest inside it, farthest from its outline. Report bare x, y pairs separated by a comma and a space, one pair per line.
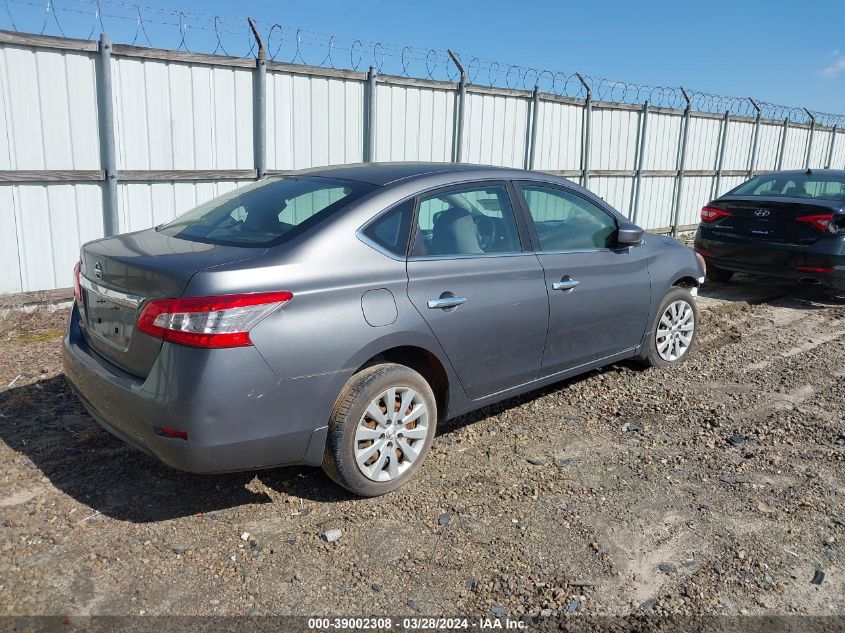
485, 229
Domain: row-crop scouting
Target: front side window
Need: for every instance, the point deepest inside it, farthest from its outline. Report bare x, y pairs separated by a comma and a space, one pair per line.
566, 221
477, 220
265, 213
791, 185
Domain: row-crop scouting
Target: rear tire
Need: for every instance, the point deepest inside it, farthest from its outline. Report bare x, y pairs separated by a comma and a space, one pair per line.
719, 274
381, 429
674, 331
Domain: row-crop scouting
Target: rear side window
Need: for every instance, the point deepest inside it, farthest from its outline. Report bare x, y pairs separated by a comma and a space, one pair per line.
477, 220
794, 185
267, 212
568, 222
391, 230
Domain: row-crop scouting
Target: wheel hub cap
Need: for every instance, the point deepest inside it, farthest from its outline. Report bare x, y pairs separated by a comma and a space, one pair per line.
391, 434
675, 330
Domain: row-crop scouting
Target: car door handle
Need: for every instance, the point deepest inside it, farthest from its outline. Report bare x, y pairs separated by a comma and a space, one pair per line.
444, 303
565, 284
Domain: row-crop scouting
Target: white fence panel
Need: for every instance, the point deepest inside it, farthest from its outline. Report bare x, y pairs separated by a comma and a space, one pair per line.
838, 161
313, 121
495, 129
738, 145
615, 190
796, 147
768, 146
613, 139
10, 265
656, 202
48, 110
413, 123
46, 223
558, 136
703, 143
182, 116
820, 149
662, 138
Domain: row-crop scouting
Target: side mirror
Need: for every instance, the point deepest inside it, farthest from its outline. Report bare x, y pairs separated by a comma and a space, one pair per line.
629, 234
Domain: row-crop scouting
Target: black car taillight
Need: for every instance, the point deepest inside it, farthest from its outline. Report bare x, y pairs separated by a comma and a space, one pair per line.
820, 221
711, 214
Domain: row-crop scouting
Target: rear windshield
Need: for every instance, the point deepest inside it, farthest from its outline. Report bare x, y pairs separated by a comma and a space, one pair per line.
267, 212
794, 185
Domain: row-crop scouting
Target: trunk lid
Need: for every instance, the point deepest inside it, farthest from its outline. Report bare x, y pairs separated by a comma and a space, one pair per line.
770, 219
119, 273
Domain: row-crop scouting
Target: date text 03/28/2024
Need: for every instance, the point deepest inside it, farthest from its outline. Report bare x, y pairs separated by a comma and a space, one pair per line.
415, 623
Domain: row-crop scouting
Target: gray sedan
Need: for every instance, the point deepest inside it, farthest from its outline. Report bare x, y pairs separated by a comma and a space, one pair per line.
334, 316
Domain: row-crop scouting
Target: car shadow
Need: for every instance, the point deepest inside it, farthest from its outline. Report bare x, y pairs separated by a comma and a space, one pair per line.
757, 289
47, 425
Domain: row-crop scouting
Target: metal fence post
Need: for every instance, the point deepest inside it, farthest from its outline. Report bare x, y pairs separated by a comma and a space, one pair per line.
111, 221
809, 140
370, 116
783, 143
723, 141
260, 121
638, 178
830, 148
679, 186
532, 126
755, 143
585, 133
458, 137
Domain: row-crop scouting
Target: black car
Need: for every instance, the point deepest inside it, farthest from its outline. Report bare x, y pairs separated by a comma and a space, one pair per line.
788, 224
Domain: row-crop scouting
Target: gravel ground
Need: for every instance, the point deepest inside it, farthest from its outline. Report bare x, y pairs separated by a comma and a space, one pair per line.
714, 488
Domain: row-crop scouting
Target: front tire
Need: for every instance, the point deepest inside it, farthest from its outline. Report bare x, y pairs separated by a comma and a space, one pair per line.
381, 429
674, 331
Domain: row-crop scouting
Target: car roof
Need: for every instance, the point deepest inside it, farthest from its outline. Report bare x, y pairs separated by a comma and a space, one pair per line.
801, 172
386, 173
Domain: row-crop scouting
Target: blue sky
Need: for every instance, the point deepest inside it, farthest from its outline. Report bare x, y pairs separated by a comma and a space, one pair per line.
791, 53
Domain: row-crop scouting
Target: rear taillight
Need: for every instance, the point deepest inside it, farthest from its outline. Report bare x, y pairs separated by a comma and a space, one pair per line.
818, 222
77, 285
711, 214
221, 321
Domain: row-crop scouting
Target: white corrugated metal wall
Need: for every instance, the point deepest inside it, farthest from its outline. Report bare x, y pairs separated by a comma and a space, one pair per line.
413, 123
185, 132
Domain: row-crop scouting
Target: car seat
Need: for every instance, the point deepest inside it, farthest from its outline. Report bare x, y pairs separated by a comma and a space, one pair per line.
454, 233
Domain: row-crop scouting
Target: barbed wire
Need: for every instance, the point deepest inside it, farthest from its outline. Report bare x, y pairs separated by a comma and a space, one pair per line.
183, 30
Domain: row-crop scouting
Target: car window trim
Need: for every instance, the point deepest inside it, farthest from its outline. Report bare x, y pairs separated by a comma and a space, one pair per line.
522, 231
366, 239
529, 219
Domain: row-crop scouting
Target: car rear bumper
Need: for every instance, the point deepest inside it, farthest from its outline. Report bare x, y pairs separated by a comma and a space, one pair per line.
237, 413
818, 263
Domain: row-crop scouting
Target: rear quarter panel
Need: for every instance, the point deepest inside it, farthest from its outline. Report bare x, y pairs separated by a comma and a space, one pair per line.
323, 330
